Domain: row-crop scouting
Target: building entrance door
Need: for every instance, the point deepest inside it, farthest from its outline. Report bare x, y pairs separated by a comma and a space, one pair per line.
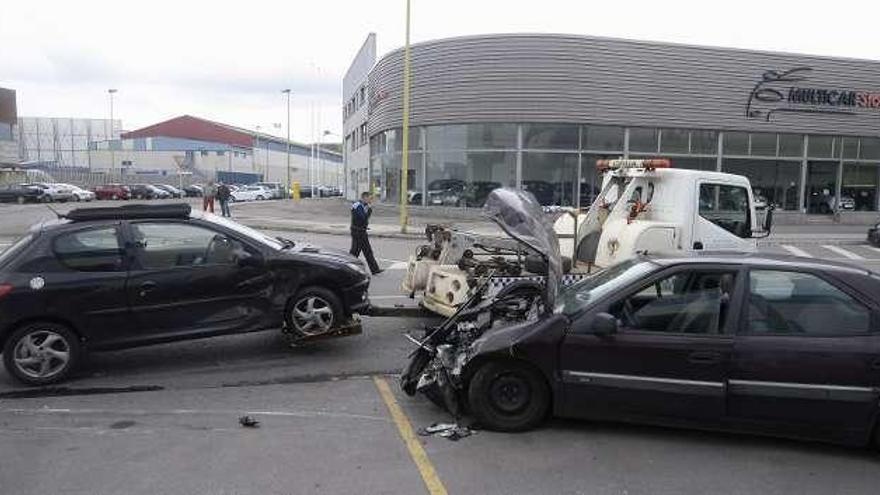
821, 187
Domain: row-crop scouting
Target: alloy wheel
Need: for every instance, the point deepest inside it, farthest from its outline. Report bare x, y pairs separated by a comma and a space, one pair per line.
41, 354
312, 315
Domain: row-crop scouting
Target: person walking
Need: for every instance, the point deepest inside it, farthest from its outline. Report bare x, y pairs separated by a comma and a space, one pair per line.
360, 223
208, 197
223, 195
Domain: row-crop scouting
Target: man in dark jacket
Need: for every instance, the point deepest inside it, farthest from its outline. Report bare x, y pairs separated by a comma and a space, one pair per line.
223, 194
360, 222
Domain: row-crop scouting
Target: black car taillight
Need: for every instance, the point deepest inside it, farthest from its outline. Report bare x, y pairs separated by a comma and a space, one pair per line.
5, 289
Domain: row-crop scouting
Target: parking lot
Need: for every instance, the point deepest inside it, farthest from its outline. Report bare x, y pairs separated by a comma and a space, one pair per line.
164, 419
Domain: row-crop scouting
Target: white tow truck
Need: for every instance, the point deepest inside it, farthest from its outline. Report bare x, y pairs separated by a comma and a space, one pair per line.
643, 206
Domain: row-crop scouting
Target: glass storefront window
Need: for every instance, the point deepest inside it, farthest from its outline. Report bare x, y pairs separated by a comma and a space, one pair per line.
821, 147
850, 147
674, 141
591, 181
736, 143
763, 144
471, 136
870, 149
821, 186
643, 140
550, 136
551, 177
603, 138
460, 178
778, 182
791, 145
860, 181
391, 176
704, 142
710, 164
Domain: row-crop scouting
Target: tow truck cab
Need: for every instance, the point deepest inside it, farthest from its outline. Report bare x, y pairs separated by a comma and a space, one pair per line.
646, 206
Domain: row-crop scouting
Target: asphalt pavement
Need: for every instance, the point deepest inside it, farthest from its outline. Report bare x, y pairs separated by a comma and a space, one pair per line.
164, 419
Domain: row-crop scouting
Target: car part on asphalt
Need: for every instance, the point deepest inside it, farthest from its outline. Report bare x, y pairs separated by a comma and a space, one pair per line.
450, 431
248, 422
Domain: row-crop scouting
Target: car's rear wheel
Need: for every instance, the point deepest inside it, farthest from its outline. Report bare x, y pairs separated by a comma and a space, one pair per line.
314, 311
41, 353
260, 198
508, 396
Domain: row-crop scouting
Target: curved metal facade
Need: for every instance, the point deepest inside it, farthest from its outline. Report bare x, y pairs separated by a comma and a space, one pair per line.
576, 79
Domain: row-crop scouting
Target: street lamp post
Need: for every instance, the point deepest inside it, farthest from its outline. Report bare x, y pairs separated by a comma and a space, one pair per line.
287, 186
111, 91
404, 162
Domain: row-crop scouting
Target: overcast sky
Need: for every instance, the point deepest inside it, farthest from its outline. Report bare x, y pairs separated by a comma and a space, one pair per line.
228, 60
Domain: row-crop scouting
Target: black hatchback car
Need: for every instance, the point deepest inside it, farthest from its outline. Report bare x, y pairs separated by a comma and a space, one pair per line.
108, 278
767, 344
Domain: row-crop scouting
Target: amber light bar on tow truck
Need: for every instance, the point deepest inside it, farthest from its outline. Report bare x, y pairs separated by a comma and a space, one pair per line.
648, 164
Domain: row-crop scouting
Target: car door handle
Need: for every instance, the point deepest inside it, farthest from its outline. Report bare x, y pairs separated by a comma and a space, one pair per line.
147, 287
698, 246
704, 357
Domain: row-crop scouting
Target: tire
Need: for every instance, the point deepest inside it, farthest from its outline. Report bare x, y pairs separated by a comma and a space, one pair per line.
497, 406
260, 198
63, 342
77, 199
311, 319
114, 197
20, 200
47, 199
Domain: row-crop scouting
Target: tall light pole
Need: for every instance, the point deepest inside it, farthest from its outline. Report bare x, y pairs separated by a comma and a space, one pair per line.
404, 176
287, 186
256, 148
111, 91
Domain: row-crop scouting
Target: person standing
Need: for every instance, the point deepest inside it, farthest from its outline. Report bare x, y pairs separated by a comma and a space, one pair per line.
223, 195
208, 197
360, 223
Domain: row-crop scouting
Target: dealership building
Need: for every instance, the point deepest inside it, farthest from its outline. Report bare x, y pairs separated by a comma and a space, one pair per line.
536, 111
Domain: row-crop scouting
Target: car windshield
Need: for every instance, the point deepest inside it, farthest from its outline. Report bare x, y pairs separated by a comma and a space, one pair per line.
576, 297
246, 231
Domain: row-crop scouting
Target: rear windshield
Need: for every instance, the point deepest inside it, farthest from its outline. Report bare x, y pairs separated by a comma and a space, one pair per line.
7, 254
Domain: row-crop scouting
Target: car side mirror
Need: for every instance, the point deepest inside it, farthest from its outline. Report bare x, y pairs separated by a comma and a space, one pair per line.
246, 259
604, 325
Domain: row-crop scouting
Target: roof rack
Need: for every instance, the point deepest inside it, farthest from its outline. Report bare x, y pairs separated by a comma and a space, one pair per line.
130, 212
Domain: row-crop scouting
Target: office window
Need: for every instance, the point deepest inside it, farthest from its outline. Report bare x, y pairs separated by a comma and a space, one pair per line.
791, 145
550, 136
603, 138
551, 177
763, 144
821, 147
704, 142
736, 143
870, 148
673, 141
471, 136
643, 140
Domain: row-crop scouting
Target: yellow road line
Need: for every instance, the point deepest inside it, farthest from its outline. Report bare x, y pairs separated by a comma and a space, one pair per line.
426, 469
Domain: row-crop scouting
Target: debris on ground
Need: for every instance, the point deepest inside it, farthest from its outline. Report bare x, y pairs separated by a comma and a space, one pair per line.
450, 431
248, 422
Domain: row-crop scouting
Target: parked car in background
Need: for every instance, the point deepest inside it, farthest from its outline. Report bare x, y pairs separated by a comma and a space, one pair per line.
194, 191
19, 193
110, 278
143, 191
112, 191
874, 234
158, 192
55, 192
251, 193
275, 188
171, 190
827, 203
79, 194
445, 192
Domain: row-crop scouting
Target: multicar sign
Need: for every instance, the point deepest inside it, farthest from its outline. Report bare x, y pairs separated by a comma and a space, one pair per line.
788, 92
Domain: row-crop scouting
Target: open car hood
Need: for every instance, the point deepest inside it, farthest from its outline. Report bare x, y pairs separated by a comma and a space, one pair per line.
520, 215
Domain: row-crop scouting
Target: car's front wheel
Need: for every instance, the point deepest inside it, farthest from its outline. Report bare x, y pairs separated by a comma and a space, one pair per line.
260, 198
314, 311
41, 353
508, 396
